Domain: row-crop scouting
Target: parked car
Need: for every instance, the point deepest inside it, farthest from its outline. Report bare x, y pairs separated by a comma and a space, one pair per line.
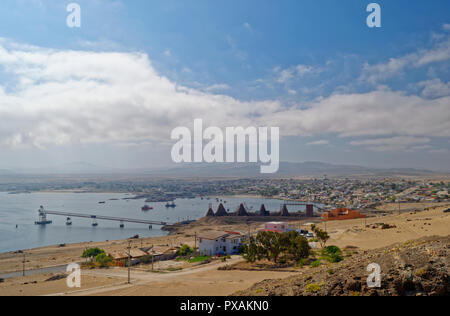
447, 210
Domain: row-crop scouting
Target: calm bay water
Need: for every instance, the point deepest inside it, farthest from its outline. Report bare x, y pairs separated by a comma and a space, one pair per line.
21, 210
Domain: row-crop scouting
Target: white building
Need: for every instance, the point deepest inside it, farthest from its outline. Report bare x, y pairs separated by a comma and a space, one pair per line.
215, 243
276, 227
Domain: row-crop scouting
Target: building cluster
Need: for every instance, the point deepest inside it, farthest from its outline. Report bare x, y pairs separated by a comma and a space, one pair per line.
339, 192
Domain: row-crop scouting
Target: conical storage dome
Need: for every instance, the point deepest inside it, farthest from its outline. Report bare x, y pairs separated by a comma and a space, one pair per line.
284, 211
241, 211
263, 211
210, 212
221, 211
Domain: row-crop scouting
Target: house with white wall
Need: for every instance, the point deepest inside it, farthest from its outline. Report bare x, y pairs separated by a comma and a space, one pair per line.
222, 243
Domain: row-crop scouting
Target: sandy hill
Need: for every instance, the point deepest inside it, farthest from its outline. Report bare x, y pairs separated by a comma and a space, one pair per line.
419, 267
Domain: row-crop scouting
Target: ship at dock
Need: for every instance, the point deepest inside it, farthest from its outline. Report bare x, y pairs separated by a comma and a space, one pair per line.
171, 205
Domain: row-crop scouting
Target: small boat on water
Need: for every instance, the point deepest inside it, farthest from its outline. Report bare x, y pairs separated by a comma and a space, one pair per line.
171, 205
69, 221
102, 202
146, 208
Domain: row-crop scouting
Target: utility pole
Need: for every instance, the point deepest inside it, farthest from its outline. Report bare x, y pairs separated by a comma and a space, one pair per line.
153, 256
195, 244
23, 264
129, 261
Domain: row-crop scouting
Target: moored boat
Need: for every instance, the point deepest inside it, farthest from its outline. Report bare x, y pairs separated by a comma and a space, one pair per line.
147, 208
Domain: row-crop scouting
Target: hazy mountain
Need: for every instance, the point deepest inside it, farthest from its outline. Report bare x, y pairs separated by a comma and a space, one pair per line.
6, 172
310, 168
70, 168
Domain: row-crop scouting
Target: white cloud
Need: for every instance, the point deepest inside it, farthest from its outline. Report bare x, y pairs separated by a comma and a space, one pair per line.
440, 52
292, 92
377, 113
64, 97
435, 88
440, 151
393, 143
318, 143
285, 75
217, 87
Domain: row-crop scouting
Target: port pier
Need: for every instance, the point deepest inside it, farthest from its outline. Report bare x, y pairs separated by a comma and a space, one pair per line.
43, 220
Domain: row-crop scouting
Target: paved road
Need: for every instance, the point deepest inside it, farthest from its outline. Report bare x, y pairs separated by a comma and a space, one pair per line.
142, 278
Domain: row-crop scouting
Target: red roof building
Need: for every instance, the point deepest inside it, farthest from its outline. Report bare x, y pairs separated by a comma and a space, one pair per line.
342, 214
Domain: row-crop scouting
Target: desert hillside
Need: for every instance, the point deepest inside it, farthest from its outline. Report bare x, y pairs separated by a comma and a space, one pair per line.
415, 268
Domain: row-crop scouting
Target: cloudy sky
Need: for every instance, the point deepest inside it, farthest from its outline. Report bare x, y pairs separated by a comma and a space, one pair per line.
109, 93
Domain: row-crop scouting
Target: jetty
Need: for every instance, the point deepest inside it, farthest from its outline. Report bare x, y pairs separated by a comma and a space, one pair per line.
44, 221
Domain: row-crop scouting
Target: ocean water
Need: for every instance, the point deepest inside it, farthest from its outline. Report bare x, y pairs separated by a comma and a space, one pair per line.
22, 210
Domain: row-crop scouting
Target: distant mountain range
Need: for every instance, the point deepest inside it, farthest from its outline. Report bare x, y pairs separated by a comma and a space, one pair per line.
310, 168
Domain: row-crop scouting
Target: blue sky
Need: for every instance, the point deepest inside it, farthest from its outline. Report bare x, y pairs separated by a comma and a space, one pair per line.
299, 55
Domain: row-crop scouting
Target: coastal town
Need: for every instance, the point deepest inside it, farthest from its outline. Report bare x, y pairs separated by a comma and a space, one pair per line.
337, 192
322, 223
226, 253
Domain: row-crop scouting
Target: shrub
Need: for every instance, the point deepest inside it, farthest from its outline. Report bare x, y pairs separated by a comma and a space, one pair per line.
301, 263
313, 288
334, 258
315, 264
103, 260
421, 272
92, 252
185, 250
174, 269
332, 254
147, 259
332, 250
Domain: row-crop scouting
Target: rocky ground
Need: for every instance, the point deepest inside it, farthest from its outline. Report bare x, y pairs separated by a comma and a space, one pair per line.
415, 268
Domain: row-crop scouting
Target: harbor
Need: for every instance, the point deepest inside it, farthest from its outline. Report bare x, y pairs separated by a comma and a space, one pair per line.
18, 213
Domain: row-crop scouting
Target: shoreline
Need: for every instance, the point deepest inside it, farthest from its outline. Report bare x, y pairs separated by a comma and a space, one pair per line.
409, 225
362, 235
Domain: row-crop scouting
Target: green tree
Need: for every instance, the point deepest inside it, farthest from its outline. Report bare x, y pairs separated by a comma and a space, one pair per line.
92, 253
251, 251
321, 235
271, 245
103, 260
298, 246
185, 250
